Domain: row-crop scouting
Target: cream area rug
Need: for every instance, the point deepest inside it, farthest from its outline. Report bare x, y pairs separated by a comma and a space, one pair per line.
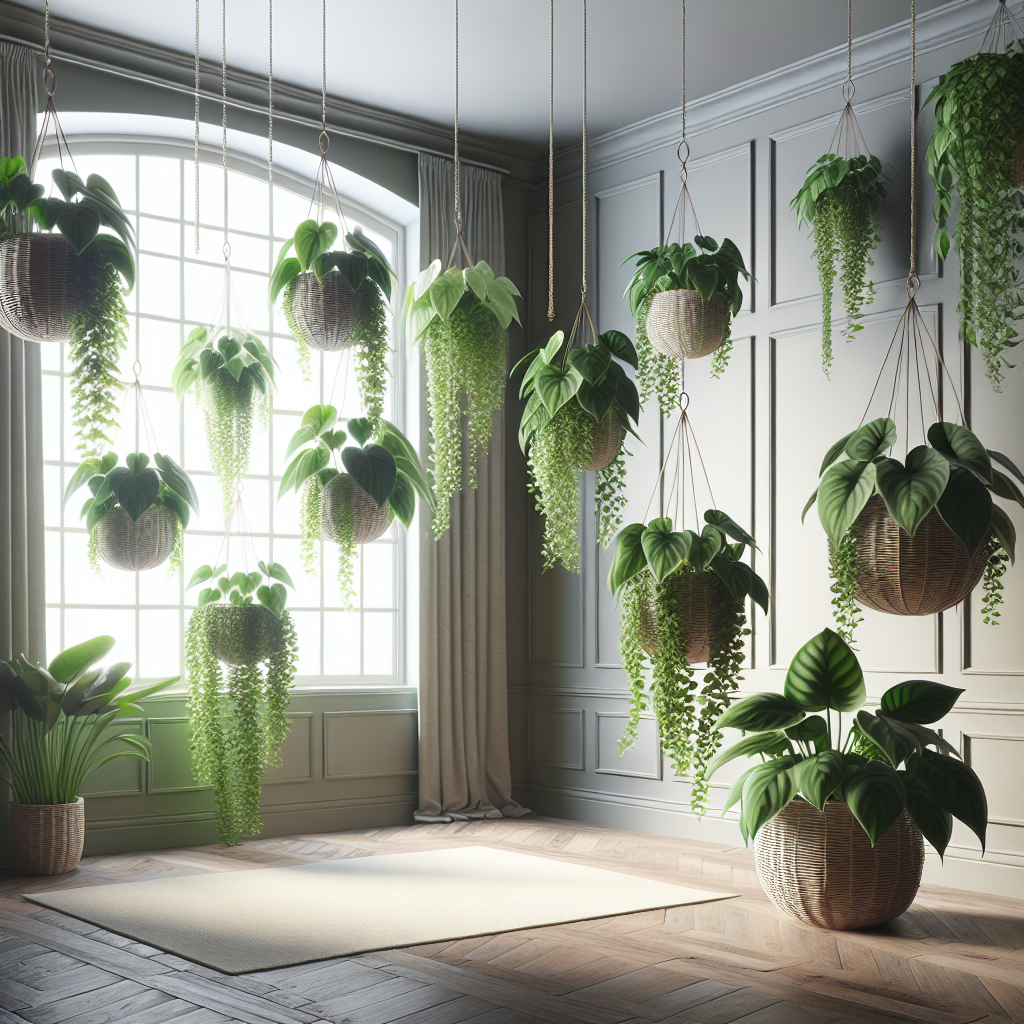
240, 921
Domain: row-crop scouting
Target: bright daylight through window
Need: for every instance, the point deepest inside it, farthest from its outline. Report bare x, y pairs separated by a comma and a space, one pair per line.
178, 290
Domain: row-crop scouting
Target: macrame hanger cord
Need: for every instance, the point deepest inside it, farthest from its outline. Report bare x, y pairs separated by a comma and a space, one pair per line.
459, 247
195, 154
224, 156
50, 84
270, 95
848, 139
551, 172
684, 199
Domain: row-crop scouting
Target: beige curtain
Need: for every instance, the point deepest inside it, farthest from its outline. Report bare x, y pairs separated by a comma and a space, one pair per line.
22, 600
463, 761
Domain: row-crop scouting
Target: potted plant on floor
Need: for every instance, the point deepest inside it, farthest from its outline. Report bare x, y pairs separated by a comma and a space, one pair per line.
837, 819
579, 404
684, 298
64, 729
839, 199
137, 515
64, 283
914, 538
683, 597
231, 374
354, 504
336, 299
239, 723
463, 318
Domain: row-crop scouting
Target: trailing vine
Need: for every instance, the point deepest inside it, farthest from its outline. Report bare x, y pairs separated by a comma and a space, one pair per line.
311, 507
610, 498
720, 358
369, 334
656, 373
992, 581
844, 568
344, 529
301, 345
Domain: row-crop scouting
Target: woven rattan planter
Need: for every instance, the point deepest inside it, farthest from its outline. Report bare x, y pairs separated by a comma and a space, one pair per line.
699, 598
607, 442
139, 545
242, 634
47, 839
322, 313
905, 575
821, 868
343, 497
680, 323
39, 286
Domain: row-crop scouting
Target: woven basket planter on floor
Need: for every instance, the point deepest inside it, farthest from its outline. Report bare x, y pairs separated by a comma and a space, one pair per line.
697, 598
47, 839
39, 286
139, 545
323, 313
680, 323
607, 443
242, 634
369, 520
821, 868
918, 575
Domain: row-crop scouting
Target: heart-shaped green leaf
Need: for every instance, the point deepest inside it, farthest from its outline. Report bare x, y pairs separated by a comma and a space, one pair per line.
761, 712
272, 599
818, 777
597, 399
825, 673
1002, 527
176, 479
740, 580
728, 526
955, 788
911, 492
895, 742
766, 791
78, 223
919, 701
312, 239
135, 492
866, 443
842, 494
361, 429
446, 292
960, 447
835, 451
620, 346
876, 797
965, 506
556, 386
665, 549
592, 362
407, 461
935, 824
373, 468
629, 556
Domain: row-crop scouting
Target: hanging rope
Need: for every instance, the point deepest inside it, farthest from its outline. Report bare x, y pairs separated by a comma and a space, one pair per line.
50, 84
224, 155
551, 173
583, 286
849, 41
682, 87
195, 155
323, 73
270, 99
913, 145
458, 183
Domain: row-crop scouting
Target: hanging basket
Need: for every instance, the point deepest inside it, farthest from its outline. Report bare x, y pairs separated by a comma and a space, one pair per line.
903, 575
136, 546
242, 634
344, 498
47, 839
698, 600
680, 323
322, 313
40, 286
822, 869
607, 442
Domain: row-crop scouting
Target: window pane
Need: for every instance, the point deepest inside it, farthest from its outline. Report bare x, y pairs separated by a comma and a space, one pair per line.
159, 644
378, 643
307, 626
162, 236
159, 343
160, 186
159, 286
341, 643
378, 569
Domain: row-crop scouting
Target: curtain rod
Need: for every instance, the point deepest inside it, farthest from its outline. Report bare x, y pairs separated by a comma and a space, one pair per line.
252, 108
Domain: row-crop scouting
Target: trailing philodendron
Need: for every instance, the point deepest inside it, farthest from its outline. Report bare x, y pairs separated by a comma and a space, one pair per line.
239, 723
683, 597
977, 148
884, 764
65, 284
914, 537
136, 515
839, 199
334, 299
463, 318
231, 374
684, 298
579, 406
353, 505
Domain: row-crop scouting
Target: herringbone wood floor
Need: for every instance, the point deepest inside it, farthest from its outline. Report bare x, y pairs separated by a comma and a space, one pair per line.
954, 958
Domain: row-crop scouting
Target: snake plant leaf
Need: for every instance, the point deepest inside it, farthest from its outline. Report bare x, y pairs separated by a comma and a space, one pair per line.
910, 492
936, 824
135, 492
407, 461
592, 362
373, 468
761, 712
842, 494
620, 346
919, 701
960, 447
955, 788
766, 791
729, 526
666, 549
403, 500
1003, 528
965, 506
629, 556
818, 777
866, 443
1006, 488
312, 239
876, 797
835, 451
760, 743
176, 479
361, 429
825, 673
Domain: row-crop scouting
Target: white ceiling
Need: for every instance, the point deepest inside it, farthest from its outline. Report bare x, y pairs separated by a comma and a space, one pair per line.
398, 54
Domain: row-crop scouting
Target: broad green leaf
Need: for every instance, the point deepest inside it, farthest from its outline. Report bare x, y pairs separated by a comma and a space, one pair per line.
926, 737
629, 556
665, 549
78, 223
403, 500
811, 729
592, 362
135, 492
766, 791
278, 572
302, 467
735, 795
620, 346
115, 252
1005, 487
935, 823
888, 736
807, 507
361, 429
86, 471
842, 494
597, 399
69, 183
818, 777
312, 239
869, 441
740, 580
201, 575
704, 547
407, 461
1007, 464
373, 468
960, 447
919, 701
759, 743
20, 691
965, 506
272, 599
75, 660
1002, 527
876, 797
761, 712
825, 673
556, 386
303, 436
285, 271
911, 492
955, 788
728, 526
426, 278
176, 479
446, 292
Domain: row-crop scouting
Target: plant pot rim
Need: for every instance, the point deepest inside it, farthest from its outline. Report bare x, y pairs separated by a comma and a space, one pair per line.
74, 803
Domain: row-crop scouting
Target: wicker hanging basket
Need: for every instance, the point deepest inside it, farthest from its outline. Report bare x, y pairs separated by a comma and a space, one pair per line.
698, 598
47, 839
136, 546
607, 442
40, 286
242, 634
322, 313
345, 497
680, 323
903, 575
822, 869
